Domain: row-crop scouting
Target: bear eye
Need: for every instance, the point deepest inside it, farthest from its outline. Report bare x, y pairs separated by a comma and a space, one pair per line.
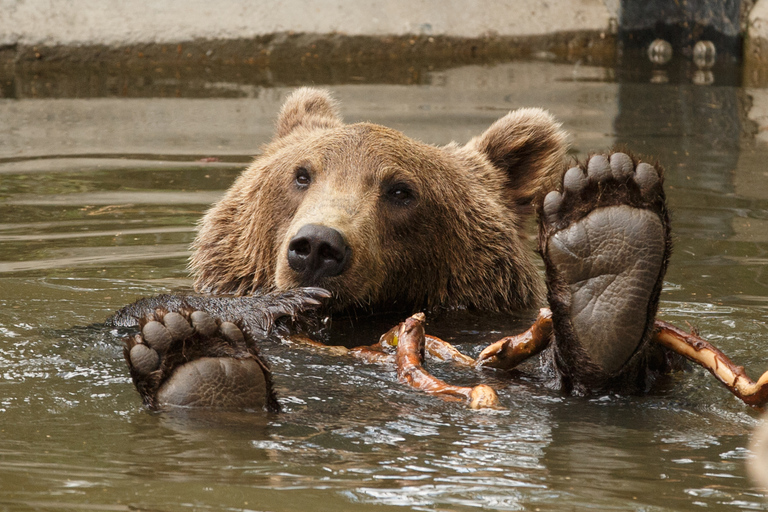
400, 194
303, 179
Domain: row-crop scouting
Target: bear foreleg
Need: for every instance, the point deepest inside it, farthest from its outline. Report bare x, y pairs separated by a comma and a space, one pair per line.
701, 352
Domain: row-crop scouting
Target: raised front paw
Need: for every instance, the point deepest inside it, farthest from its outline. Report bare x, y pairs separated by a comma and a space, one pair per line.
190, 359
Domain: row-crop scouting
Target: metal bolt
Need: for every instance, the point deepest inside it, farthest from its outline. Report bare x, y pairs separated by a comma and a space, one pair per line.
704, 54
660, 51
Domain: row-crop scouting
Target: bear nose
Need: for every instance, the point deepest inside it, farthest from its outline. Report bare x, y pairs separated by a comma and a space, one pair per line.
317, 252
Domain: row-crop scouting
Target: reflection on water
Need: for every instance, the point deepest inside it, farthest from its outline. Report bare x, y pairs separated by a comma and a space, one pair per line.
98, 203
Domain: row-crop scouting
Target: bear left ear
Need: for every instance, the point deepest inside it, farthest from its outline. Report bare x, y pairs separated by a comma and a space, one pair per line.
529, 145
309, 108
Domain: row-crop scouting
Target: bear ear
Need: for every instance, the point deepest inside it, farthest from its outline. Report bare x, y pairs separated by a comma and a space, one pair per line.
309, 108
529, 146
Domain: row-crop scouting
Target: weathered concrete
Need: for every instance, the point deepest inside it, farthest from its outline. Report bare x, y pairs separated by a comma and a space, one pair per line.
756, 46
39, 35
273, 60
119, 23
293, 38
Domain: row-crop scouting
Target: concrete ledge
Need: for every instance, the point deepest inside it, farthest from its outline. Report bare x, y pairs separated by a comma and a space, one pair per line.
280, 59
287, 36
291, 37
119, 23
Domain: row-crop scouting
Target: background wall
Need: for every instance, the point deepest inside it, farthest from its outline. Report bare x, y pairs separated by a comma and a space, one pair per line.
115, 22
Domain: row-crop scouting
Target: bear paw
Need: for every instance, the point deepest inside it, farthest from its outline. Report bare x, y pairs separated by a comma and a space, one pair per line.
190, 359
605, 242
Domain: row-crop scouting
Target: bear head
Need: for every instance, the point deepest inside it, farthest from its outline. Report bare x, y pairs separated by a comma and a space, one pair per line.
379, 219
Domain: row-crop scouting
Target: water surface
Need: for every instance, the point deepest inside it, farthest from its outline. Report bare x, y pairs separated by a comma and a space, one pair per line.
98, 202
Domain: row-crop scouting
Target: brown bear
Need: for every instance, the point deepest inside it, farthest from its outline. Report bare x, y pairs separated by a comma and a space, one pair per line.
379, 219
384, 222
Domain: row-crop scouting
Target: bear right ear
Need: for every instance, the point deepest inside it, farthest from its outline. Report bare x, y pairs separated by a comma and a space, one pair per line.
308, 108
529, 146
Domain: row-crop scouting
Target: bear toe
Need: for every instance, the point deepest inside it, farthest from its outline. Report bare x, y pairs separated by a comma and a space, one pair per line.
646, 177
574, 181
552, 202
203, 323
622, 166
232, 332
156, 335
599, 169
144, 359
178, 326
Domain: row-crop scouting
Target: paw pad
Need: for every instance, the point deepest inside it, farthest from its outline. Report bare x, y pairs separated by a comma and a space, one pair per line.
646, 177
599, 169
232, 332
622, 166
156, 336
177, 326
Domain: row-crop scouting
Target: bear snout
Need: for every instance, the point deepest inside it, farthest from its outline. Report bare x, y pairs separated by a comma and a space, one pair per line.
317, 252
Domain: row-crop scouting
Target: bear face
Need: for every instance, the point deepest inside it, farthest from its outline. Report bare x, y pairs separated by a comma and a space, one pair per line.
380, 220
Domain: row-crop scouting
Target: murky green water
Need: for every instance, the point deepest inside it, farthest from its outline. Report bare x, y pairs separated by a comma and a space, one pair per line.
98, 201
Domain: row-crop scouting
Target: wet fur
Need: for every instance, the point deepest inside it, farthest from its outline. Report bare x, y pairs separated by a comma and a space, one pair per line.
259, 314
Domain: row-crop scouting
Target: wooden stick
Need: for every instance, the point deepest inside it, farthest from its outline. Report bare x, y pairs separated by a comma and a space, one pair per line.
383, 352
444, 351
372, 355
301, 339
703, 353
435, 347
410, 344
410, 355
510, 351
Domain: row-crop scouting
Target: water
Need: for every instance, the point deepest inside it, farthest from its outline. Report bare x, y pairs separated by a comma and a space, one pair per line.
98, 200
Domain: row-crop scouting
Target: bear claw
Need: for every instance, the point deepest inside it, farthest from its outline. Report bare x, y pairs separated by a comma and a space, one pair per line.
605, 242
258, 313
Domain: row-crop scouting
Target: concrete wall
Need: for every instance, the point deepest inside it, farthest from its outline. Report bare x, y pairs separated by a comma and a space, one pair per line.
117, 22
